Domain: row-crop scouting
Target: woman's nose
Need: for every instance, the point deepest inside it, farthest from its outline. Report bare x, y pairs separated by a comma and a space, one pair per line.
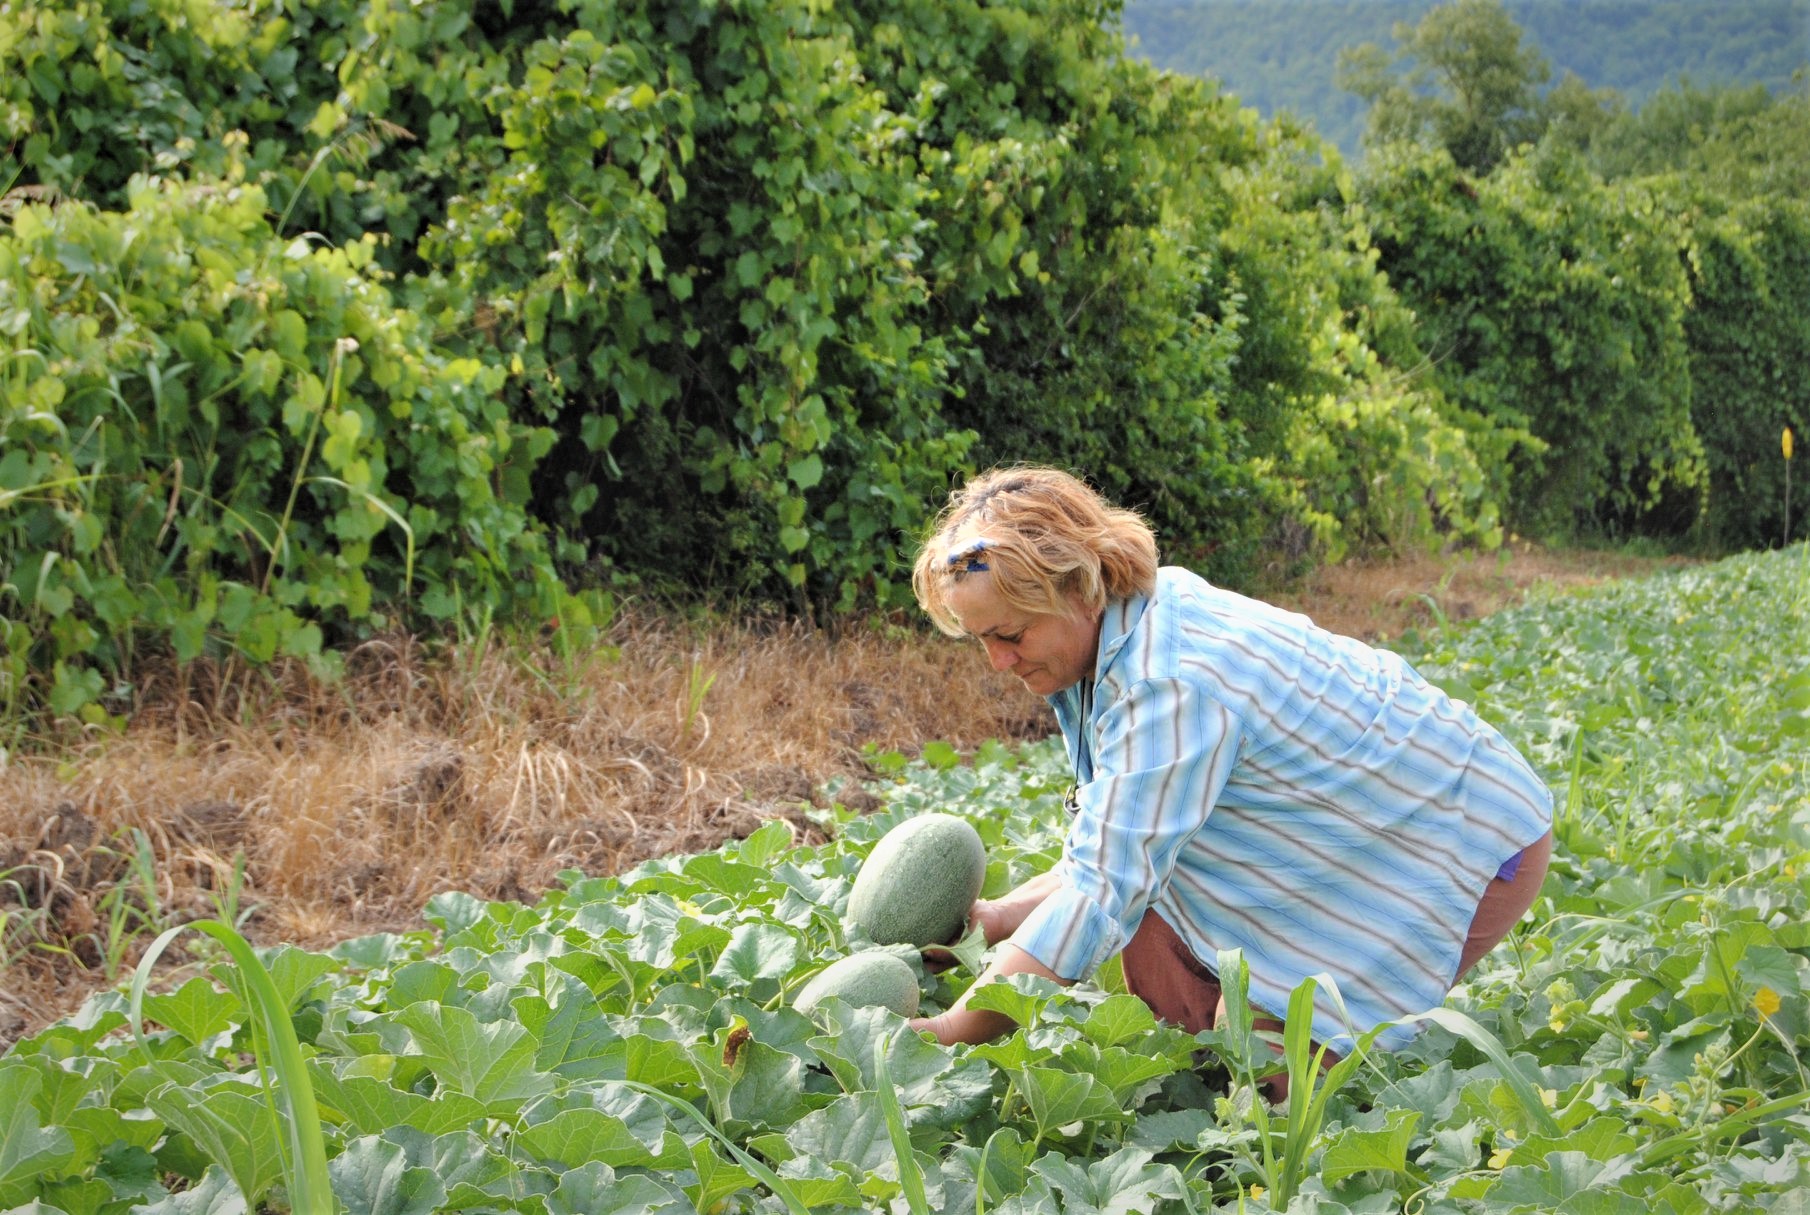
1002, 656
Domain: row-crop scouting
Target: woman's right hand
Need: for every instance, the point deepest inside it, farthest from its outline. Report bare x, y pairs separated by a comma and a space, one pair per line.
992, 919
1001, 917
997, 918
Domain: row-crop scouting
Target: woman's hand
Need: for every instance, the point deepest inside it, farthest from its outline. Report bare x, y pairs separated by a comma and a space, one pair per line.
1001, 917
985, 916
964, 1024
996, 918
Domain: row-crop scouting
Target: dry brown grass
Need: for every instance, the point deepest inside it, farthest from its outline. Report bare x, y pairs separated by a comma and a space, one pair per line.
354, 803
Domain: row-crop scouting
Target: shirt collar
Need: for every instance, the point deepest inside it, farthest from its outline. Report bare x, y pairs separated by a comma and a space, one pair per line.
1116, 625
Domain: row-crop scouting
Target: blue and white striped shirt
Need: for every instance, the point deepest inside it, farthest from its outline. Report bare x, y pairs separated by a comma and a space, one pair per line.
1266, 785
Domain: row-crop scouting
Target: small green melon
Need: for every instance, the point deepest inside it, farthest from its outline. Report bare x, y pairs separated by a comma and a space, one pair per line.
871, 977
916, 886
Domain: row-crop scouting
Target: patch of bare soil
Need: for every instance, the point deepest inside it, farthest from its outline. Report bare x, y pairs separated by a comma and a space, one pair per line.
1377, 600
327, 811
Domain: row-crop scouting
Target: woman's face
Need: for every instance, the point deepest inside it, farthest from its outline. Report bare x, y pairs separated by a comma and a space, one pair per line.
1048, 652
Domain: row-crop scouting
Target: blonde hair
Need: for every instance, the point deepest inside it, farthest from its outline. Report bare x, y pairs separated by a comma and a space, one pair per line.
1044, 536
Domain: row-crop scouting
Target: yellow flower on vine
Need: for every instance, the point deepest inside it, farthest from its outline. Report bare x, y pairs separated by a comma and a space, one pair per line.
1501, 1157
1767, 1001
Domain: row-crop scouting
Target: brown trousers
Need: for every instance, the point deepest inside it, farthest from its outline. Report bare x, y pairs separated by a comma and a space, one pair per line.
1162, 971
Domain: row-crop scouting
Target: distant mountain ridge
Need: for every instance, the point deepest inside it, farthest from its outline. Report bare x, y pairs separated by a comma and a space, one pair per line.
1280, 54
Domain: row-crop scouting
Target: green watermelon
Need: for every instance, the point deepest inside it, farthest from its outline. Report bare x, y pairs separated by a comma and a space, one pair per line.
871, 977
917, 885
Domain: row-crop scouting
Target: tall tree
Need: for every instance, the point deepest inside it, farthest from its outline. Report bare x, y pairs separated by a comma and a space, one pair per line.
1745, 141
1461, 79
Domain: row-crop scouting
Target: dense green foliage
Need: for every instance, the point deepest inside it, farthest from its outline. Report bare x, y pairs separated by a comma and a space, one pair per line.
724, 295
328, 318
1467, 82
626, 1044
1733, 142
1281, 54
1748, 330
210, 431
1574, 263
1555, 305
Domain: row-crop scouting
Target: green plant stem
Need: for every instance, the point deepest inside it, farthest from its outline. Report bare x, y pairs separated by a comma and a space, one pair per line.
980, 1176
1005, 1102
767, 1176
911, 1178
1738, 1123
275, 1050
280, 542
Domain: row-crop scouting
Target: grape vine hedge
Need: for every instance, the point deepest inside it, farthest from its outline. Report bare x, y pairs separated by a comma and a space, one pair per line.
215, 433
325, 318
715, 294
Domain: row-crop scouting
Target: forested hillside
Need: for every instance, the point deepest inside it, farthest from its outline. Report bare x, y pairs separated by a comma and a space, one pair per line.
1280, 54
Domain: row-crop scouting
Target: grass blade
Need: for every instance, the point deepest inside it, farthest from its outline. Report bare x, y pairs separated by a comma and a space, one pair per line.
283, 1074
1304, 1103
767, 1176
911, 1178
1456, 1022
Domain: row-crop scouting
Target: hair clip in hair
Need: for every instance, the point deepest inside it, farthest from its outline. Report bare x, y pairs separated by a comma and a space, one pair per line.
967, 558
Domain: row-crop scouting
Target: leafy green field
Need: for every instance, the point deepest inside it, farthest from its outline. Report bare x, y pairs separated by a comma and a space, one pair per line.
625, 1046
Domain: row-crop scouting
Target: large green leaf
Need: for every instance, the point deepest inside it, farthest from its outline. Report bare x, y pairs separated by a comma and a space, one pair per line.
493, 1062
1057, 1098
214, 1194
1117, 1020
1125, 1072
375, 1176
762, 1087
573, 1040
233, 1123
1123, 1183
757, 957
293, 972
933, 1088
1559, 1178
576, 1135
591, 1188
1356, 1151
28, 1149
197, 1010
715, 1178
370, 1106
850, 1130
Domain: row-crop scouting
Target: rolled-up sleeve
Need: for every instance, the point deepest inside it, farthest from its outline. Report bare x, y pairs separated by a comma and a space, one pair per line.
1162, 753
